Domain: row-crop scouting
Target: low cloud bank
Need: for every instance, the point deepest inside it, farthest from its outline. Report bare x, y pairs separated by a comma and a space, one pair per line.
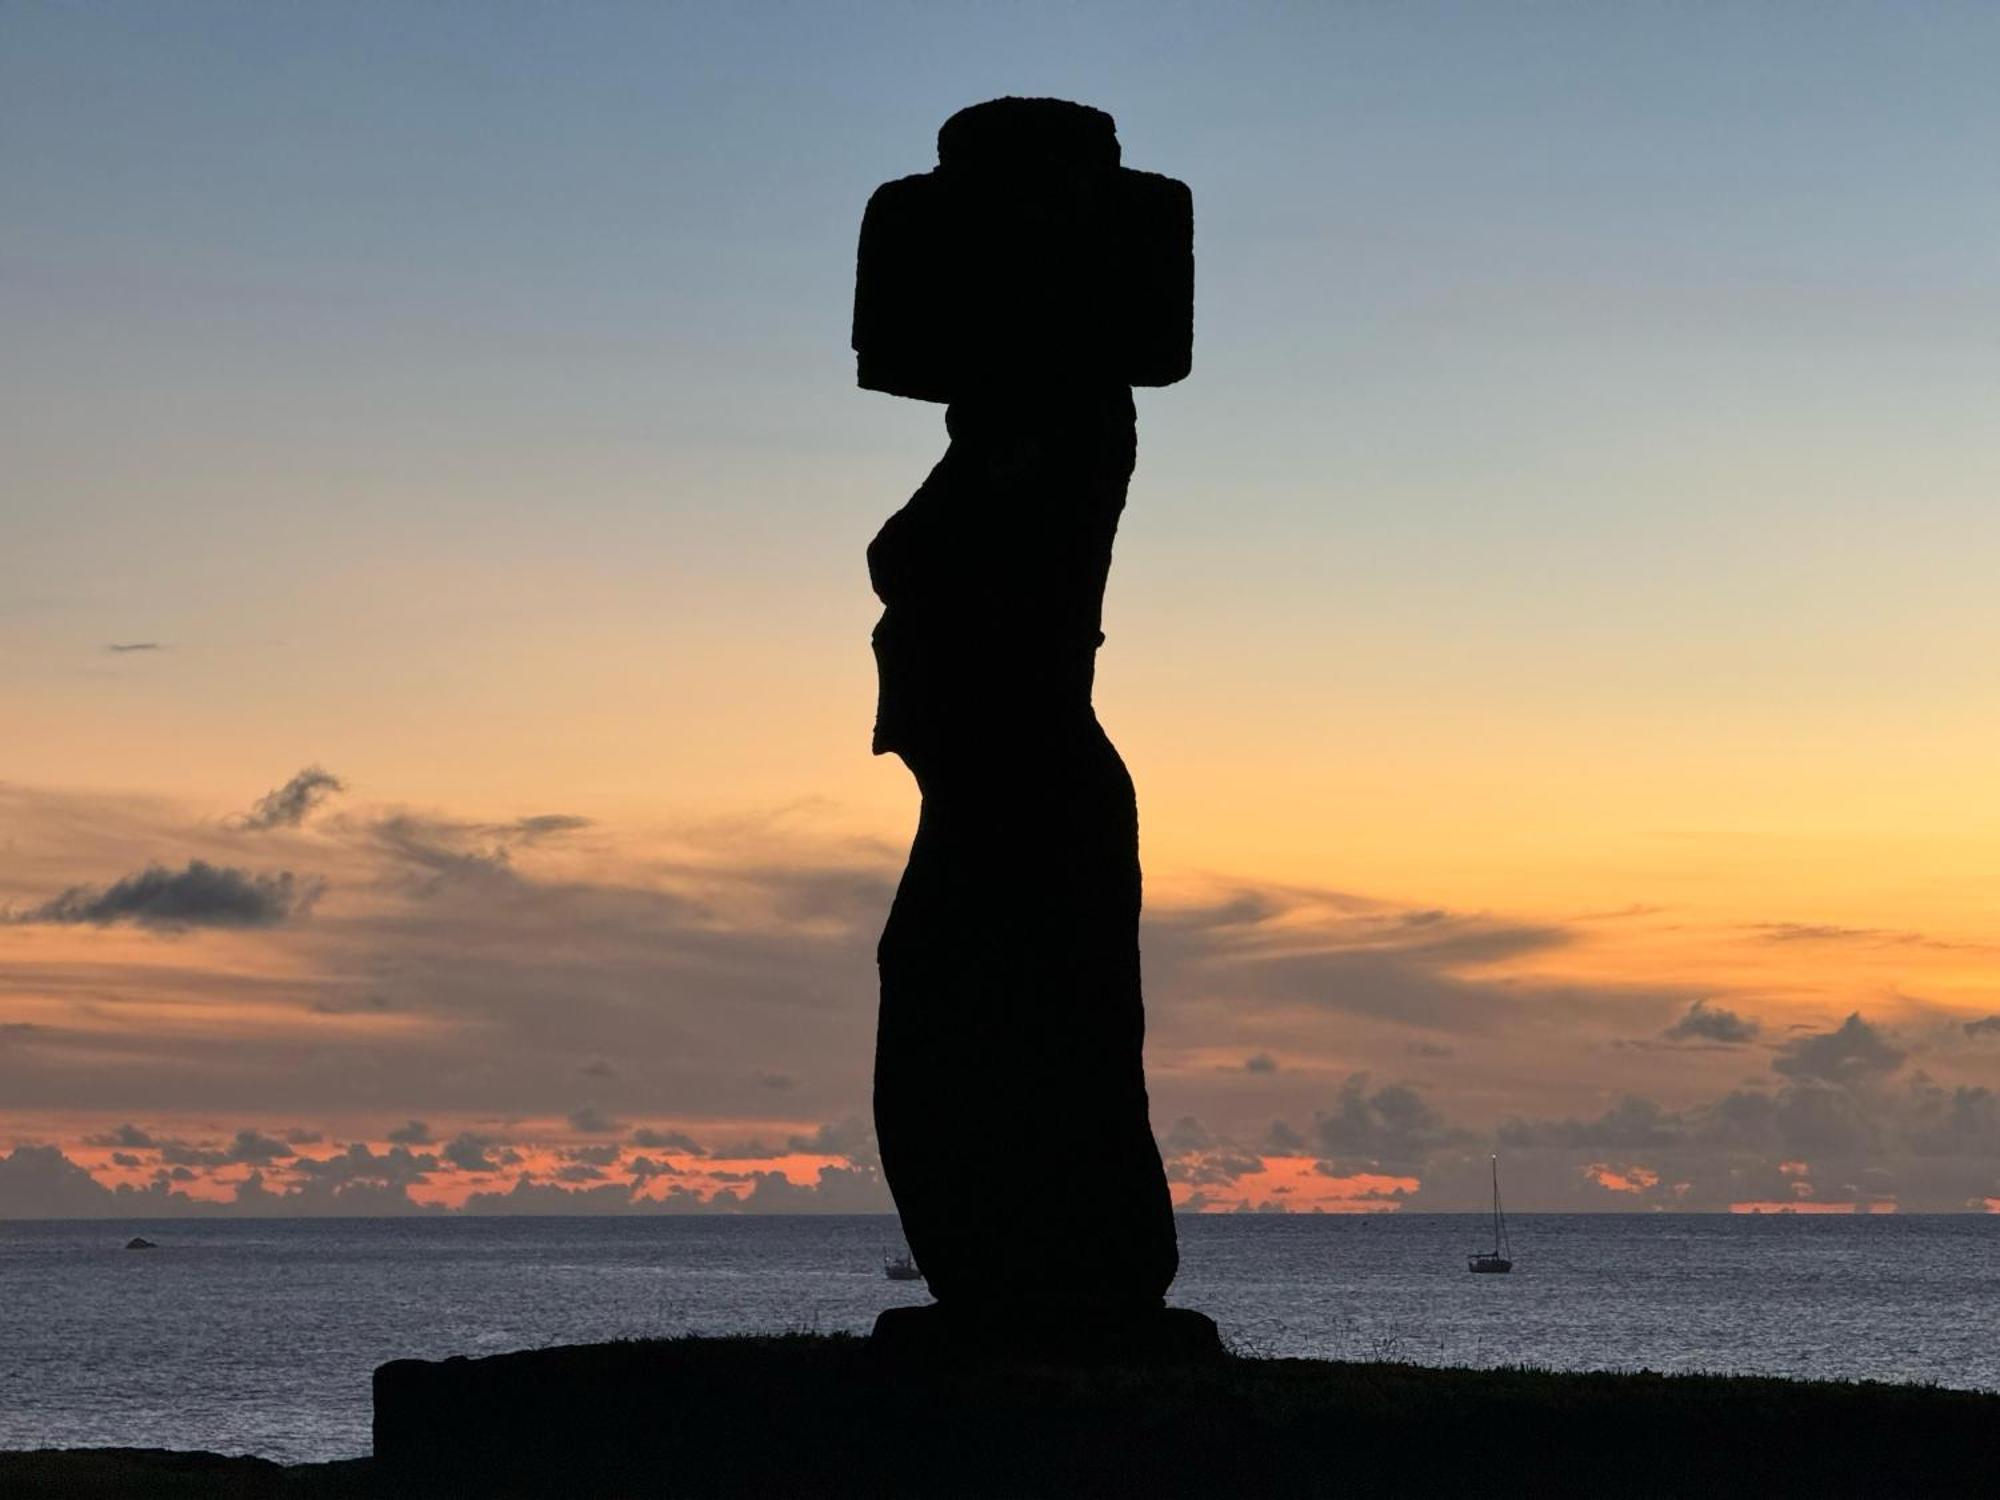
472, 1173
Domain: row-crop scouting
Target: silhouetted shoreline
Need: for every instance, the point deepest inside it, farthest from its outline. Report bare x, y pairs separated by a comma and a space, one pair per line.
815, 1415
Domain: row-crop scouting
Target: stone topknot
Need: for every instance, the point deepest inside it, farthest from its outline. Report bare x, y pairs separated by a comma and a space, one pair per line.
1030, 257
1014, 135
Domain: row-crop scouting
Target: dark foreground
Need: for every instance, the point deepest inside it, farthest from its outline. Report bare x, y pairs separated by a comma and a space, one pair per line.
801, 1416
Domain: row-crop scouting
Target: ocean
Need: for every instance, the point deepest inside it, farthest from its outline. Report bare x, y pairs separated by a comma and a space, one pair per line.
249, 1336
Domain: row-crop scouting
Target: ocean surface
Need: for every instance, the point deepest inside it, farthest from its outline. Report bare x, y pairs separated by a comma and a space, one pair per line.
249, 1336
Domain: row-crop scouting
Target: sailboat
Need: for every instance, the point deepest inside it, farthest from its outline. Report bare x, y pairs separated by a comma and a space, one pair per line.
1501, 1256
901, 1268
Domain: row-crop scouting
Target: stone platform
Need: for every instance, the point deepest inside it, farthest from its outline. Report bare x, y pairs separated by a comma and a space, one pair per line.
832, 1416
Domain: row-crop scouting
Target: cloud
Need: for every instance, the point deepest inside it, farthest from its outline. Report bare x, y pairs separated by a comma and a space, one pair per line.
1260, 1062
834, 1190
471, 1152
340, 1006
1742, 1119
1295, 955
360, 1161
541, 826
481, 969
436, 851
360, 1175
1390, 1129
291, 804
128, 1135
1243, 914
1282, 1140
39, 1182
588, 1119
666, 1140
747, 1150
1962, 1121
121, 648
202, 895
1711, 1023
1818, 1117
258, 1149
1214, 1168
249, 1146
1184, 1135
1841, 1126
1829, 932
1984, 1026
175, 1153
411, 1133
1633, 1122
439, 977
1855, 1051
851, 1137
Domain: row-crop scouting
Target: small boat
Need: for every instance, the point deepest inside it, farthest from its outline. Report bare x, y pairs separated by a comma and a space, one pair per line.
139, 1242
901, 1268
1501, 1256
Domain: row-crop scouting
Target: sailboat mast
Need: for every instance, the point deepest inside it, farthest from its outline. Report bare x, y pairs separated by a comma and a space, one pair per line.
1500, 1246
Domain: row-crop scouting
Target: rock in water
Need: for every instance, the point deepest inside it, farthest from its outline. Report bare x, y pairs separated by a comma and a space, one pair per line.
1030, 282
137, 1243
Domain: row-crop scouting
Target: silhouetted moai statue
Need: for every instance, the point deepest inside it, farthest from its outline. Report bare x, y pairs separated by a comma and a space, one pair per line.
1030, 282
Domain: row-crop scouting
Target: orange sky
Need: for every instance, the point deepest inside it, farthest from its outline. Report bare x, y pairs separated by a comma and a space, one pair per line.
557, 987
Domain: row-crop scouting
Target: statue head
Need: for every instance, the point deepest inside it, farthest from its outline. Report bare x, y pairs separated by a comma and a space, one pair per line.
1029, 255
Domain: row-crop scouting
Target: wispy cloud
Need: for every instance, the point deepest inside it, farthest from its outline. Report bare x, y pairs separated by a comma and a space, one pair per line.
1832, 932
291, 804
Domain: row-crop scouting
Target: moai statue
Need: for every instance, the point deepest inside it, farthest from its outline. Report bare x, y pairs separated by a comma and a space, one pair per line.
1029, 282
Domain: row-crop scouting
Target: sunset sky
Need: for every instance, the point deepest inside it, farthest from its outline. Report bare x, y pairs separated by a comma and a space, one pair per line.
1553, 632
